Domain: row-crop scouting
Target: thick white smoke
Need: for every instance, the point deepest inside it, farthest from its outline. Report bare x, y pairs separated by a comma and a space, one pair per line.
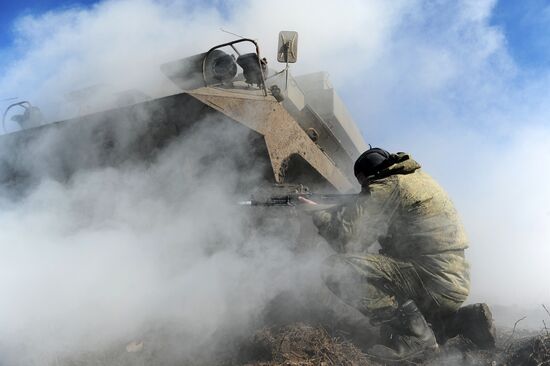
116, 254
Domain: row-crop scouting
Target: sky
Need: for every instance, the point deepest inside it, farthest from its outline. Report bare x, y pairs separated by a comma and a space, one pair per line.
461, 85
11, 10
524, 24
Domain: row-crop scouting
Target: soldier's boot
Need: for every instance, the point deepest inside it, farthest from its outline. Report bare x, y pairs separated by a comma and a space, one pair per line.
406, 337
474, 322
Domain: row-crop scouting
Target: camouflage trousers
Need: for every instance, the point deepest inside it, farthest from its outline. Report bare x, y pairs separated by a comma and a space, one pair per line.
376, 284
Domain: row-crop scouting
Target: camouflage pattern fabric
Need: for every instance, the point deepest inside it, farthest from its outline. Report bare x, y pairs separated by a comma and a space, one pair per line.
421, 238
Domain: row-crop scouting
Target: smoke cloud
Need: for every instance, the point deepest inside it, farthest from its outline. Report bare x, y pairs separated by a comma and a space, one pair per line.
116, 255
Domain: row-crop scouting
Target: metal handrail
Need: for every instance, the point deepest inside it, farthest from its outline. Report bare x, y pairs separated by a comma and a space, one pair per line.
231, 45
29, 105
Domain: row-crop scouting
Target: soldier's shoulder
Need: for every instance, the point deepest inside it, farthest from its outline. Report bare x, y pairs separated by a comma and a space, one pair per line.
420, 182
418, 175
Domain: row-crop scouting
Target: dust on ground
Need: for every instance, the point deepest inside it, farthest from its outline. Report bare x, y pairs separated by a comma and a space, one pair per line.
302, 344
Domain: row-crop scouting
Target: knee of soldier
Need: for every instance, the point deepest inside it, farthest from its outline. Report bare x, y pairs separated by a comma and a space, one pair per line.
335, 270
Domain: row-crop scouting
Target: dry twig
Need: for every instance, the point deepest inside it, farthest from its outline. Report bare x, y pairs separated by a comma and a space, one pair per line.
509, 341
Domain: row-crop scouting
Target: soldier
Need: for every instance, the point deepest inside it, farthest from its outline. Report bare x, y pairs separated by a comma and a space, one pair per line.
420, 275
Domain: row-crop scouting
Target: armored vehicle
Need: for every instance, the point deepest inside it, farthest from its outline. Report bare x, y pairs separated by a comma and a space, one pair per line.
297, 126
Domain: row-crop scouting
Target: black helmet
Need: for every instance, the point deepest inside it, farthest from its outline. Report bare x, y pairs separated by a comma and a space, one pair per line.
372, 161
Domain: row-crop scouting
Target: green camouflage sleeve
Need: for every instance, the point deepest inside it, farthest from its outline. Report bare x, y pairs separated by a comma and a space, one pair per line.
383, 201
363, 220
339, 225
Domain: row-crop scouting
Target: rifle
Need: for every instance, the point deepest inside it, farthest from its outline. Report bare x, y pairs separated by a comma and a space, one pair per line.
284, 195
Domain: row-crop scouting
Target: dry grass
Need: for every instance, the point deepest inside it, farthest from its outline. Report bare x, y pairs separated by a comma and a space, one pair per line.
533, 351
302, 345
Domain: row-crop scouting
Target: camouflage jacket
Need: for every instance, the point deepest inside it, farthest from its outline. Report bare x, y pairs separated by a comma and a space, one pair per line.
406, 212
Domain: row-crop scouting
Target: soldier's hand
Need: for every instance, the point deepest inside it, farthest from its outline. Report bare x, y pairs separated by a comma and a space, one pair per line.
311, 207
306, 201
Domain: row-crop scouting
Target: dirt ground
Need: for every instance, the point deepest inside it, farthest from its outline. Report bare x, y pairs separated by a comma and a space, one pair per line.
300, 344
304, 345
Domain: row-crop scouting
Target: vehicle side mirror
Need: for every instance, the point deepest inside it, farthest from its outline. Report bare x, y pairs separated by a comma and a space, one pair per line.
287, 51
